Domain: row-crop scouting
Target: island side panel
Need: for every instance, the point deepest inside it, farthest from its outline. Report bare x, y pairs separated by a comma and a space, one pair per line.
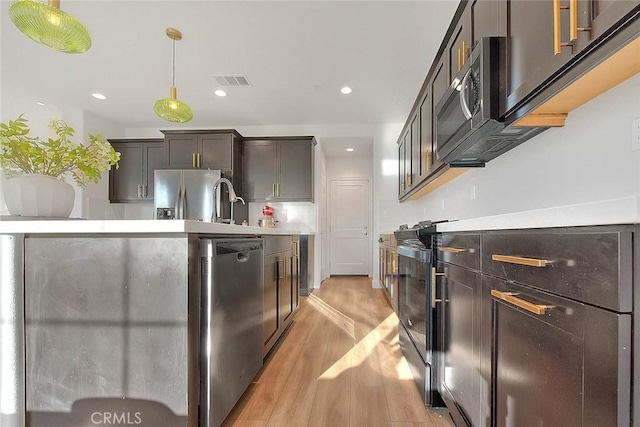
107, 331
12, 404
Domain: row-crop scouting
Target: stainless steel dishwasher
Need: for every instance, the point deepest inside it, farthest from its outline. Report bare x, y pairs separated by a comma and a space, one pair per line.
231, 323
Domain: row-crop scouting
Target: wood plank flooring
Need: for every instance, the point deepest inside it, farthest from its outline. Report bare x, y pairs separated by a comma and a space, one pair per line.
340, 364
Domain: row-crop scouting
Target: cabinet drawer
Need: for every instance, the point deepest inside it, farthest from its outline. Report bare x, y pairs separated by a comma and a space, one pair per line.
460, 249
277, 244
594, 267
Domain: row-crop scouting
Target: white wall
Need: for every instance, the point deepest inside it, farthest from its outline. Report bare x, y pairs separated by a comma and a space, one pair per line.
349, 167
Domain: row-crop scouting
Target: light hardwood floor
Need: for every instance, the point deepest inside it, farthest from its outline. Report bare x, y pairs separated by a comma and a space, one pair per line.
340, 364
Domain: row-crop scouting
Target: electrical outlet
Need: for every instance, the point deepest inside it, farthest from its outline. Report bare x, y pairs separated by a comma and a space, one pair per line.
635, 134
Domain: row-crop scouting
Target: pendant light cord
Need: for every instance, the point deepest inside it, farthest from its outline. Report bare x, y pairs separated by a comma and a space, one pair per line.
173, 65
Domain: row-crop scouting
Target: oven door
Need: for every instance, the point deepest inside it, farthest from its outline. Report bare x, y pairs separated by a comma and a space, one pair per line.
413, 265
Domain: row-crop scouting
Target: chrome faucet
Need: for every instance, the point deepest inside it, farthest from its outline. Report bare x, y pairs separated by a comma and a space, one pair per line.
232, 198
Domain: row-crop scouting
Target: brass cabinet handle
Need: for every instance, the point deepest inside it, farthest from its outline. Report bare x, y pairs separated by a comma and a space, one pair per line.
408, 180
459, 59
145, 191
518, 302
464, 52
573, 20
531, 262
573, 25
194, 162
284, 267
427, 161
556, 27
139, 191
279, 270
273, 189
453, 250
198, 160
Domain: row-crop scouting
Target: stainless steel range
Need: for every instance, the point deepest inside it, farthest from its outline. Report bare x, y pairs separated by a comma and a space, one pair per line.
419, 307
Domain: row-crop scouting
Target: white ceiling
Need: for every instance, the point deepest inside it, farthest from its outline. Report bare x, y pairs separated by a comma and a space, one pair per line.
296, 54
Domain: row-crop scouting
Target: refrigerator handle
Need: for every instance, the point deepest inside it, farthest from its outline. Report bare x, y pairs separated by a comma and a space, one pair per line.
184, 202
178, 206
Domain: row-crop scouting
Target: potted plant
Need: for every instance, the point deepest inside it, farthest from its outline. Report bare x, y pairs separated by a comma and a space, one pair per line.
36, 168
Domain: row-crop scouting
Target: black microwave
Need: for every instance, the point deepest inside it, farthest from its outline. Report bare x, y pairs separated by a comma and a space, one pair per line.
469, 128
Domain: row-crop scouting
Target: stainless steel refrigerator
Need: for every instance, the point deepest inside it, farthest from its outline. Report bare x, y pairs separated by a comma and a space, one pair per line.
187, 194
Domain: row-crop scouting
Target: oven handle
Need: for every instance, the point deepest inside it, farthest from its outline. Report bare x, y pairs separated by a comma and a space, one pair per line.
526, 305
422, 255
531, 262
434, 300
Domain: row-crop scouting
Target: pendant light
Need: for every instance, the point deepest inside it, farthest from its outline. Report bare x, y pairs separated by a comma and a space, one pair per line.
172, 109
47, 24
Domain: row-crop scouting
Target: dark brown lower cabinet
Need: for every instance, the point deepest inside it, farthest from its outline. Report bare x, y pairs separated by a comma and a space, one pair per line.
567, 364
464, 389
538, 326
281, 283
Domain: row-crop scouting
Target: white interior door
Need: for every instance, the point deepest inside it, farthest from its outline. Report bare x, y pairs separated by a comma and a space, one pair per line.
350, 202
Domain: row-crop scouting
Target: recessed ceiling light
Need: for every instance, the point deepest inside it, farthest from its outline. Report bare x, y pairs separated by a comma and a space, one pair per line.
350, 149
220, 92
40, 103
346, 90
98, 96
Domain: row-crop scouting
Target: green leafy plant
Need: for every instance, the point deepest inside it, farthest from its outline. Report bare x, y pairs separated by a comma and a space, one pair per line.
21, 153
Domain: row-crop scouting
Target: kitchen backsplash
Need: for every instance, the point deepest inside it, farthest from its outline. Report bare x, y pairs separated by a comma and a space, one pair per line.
289, 215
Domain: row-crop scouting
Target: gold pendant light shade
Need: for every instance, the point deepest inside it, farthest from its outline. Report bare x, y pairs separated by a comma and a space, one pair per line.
49, 25
172, 109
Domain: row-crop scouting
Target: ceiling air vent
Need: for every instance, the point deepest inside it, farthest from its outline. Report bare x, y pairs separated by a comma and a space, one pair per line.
235, 81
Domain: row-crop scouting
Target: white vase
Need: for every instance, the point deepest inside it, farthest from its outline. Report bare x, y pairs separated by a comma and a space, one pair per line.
38, 195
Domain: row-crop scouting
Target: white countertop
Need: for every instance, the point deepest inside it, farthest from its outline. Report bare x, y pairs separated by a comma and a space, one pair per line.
13, 225
609, 212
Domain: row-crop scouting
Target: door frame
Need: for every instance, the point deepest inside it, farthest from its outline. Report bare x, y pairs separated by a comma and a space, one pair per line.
369, 221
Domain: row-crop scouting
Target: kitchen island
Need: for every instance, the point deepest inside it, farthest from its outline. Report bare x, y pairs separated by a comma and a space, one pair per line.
102, 320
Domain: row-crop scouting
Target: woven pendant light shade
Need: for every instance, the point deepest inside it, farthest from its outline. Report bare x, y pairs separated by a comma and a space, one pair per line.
172, 109
50, 26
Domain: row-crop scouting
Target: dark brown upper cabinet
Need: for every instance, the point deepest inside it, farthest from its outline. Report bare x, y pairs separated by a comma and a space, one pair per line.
599, 16
488, 18
402, 185
533, 52
203, 149
278, 169
547, 38
426, 157
460, 44
206, 149
133, 180
415, 163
